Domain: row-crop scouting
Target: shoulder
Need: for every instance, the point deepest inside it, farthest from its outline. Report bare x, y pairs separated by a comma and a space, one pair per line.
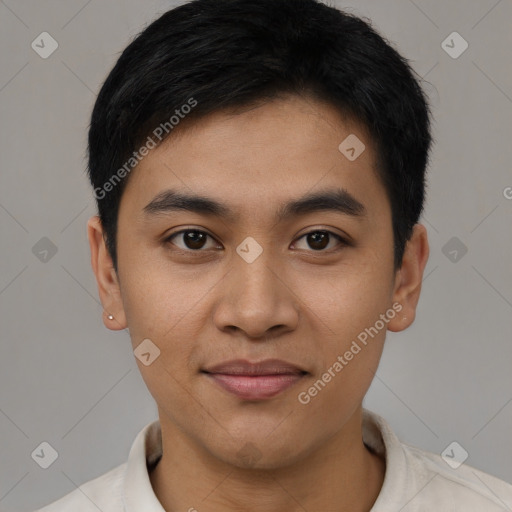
417, 480
102, 493
125, 486
444, 488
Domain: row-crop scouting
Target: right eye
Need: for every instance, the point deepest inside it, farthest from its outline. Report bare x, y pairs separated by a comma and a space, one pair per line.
192, 239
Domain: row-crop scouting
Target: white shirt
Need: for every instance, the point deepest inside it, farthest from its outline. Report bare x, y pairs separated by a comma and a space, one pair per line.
415, 480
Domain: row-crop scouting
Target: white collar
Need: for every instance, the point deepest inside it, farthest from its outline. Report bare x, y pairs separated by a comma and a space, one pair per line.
146, 450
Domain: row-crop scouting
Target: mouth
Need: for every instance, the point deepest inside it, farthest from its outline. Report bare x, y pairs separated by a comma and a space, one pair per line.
255, 381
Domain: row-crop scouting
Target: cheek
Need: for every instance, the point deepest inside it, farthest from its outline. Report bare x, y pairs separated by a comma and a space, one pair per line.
167, 312
167, 307
347, 300
332, 398
348, 343
348, 333
159, 300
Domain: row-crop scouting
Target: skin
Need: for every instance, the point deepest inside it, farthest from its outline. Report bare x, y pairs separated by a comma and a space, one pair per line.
293, 302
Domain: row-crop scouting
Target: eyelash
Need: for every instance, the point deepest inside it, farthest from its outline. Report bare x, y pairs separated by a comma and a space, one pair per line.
340, 239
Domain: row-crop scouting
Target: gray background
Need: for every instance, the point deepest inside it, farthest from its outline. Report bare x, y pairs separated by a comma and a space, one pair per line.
67, 380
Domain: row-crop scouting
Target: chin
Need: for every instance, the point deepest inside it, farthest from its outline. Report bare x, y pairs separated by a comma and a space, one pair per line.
258, 452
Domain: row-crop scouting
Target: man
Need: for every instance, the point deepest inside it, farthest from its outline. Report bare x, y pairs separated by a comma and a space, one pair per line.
259, 168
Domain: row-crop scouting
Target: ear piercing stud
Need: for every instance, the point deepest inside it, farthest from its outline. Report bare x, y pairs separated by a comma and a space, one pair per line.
110, 317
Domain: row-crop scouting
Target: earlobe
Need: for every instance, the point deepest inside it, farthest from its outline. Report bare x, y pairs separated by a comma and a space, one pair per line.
106, 277
409, 278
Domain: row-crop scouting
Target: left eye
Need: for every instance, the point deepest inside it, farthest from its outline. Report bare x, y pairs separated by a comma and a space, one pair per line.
195, 240
320, 239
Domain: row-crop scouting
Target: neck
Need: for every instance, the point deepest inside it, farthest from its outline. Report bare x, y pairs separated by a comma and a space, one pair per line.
341, 471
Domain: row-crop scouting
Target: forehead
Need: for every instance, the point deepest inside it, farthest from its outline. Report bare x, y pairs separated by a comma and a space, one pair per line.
259, 157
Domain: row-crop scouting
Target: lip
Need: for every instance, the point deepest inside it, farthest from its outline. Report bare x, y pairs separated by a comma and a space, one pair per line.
255, 381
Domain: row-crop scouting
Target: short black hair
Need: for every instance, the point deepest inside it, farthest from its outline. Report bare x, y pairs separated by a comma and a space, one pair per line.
209, 55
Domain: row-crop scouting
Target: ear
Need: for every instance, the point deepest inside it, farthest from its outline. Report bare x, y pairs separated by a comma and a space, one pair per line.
106, 277
409, 277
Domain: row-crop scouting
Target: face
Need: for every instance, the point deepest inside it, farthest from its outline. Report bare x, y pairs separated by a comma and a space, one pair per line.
250, 280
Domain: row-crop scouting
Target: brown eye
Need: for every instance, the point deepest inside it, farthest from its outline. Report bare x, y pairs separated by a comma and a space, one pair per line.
192, 239
320, 239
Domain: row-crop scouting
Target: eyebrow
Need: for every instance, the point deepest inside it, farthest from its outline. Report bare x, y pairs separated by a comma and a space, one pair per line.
337, 200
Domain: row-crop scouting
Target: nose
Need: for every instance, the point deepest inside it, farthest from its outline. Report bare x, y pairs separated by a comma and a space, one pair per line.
257, 300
